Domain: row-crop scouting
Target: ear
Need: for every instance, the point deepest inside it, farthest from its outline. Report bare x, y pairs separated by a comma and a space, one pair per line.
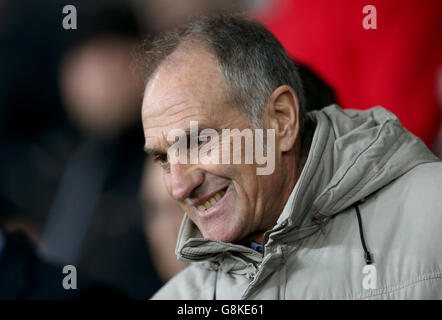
282, 115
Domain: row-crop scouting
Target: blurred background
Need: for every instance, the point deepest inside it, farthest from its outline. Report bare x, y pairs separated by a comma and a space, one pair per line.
74, 181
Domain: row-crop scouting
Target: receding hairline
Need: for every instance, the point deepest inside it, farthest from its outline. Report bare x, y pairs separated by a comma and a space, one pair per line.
185, 48
182, 58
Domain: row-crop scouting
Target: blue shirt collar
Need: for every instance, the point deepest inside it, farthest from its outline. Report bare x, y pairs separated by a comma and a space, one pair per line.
256, 246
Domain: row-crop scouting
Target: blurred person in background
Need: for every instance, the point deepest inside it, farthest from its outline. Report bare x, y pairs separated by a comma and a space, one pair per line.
94, 218
318, 94
162, 221
76, 176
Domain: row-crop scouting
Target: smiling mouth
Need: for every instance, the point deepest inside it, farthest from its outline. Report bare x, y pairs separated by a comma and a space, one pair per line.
212, 201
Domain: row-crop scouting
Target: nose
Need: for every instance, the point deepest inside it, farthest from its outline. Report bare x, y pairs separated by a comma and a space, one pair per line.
184, 179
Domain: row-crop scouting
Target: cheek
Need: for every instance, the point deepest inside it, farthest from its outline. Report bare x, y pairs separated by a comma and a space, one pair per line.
248, 178
246, 186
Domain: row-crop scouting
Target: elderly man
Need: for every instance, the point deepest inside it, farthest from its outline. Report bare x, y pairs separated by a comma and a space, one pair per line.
352, 209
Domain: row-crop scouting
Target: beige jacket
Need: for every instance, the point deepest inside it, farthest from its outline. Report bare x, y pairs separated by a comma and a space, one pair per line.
362, 159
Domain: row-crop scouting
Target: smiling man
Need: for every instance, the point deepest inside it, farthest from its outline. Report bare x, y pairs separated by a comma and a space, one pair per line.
348, 189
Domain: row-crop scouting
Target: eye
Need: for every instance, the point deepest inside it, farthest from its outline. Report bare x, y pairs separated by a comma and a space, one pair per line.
161, 158
163, 161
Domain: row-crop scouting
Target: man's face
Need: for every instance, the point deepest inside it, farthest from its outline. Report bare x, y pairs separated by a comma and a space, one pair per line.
191, 88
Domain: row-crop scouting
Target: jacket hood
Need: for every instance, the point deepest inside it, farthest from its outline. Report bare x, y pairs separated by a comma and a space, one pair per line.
352, 154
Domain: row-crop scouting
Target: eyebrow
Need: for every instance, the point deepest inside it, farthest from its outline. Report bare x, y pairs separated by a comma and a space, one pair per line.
154, 151
201, 128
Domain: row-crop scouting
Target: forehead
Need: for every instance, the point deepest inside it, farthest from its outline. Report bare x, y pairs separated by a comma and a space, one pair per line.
187, 86
189, 74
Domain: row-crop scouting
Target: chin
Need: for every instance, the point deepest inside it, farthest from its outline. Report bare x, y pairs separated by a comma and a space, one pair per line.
227, 237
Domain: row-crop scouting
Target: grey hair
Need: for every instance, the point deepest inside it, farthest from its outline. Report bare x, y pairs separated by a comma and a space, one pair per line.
251, 59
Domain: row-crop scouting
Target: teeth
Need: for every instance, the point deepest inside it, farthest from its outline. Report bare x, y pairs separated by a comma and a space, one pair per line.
212, 201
